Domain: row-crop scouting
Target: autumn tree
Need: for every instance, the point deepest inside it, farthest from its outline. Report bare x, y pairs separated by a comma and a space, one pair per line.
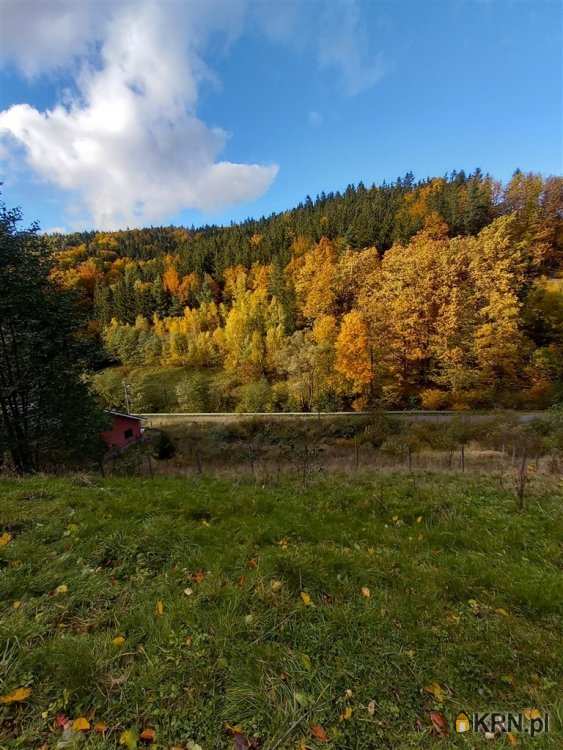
354, 357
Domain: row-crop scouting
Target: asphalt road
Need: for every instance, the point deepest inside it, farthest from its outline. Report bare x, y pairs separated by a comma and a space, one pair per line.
160, 419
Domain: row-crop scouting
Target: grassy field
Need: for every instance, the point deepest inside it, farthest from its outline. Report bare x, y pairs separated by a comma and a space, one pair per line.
226, 614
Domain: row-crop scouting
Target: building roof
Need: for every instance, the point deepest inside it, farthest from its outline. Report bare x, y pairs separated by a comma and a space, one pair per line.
121, 414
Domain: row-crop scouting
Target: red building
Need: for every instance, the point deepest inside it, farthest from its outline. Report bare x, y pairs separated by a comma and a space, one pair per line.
126, 429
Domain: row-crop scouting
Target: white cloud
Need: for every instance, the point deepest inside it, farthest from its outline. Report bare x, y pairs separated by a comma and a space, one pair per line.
129, 142
125, 139
42, 35
54, 230
335, 30
344, 46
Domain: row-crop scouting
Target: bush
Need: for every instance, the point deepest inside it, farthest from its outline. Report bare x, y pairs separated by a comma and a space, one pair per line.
254, 397
222, 392
193, 393
434, 399
280, 396
108, 386
163, 447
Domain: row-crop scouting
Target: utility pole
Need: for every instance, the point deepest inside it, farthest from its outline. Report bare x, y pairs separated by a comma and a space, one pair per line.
126, 387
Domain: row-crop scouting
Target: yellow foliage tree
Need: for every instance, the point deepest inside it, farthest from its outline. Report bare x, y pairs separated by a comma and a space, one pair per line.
354, 356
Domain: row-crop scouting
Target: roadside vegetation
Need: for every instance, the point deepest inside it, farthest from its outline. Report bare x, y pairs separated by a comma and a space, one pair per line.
349, 612
511, 451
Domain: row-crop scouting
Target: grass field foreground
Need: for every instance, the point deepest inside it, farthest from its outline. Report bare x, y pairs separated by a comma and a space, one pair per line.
225, 614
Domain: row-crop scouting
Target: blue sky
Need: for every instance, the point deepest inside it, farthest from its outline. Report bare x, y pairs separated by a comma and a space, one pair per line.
169, 113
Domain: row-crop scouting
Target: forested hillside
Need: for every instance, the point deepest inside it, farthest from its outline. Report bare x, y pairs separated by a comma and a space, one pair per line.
445, 293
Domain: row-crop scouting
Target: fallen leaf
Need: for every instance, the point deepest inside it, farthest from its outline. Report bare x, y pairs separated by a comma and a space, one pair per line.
346, 714
512, 739
188, 591
81, 724
501, 611
5, 539
189, 640
366, 593
241, 581
252, 563
129, 738
159, 609
306, 599
17, 604
17, 696
118, 641
439, 723
276, 585
319, 733
198, 576
436, 690
532, 713
147, 735
62, 589
371, 708
61, 720
419, 519
453, 619
242, 742
100, 727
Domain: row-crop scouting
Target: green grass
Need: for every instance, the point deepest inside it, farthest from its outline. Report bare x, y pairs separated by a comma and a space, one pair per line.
237, 652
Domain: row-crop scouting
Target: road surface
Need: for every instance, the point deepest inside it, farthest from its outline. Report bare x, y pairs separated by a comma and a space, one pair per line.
163, 419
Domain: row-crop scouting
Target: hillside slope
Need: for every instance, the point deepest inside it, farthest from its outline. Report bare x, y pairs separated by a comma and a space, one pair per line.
443, 294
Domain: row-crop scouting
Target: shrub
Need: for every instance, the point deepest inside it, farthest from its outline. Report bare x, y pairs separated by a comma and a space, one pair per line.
164, 447
193, 393
280, 396
254, 397
108, 386
434, 399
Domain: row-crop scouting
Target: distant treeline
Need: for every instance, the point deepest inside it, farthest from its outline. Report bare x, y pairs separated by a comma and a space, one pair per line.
441, 293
